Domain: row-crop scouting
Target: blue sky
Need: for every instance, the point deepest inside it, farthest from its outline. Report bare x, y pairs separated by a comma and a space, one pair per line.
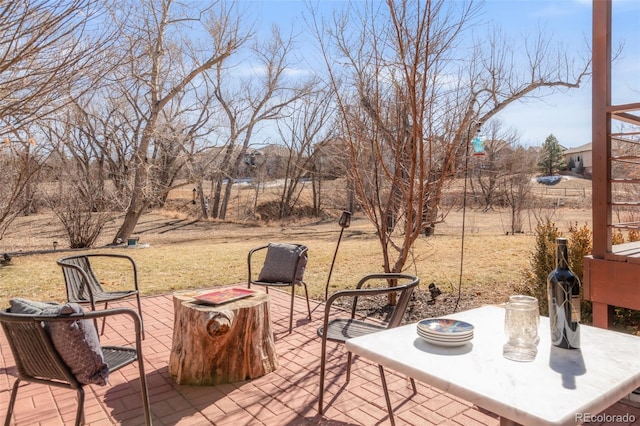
567, 115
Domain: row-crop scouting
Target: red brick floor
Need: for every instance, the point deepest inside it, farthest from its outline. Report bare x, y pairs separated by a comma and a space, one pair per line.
287, 396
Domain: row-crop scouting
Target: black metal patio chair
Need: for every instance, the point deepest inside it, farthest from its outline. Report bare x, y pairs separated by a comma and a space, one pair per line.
84, 287
53, 359
282, 265
341, 329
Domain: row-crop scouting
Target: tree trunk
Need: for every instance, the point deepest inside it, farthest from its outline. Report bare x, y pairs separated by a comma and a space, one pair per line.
225, 199
216, 188
223, 343
130, 221
204, 204
136, 206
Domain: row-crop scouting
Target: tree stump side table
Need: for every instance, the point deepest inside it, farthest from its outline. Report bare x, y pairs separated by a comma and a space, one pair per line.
222, 343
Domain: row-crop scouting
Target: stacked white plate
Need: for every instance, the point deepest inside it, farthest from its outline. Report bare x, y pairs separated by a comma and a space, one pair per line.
445, 332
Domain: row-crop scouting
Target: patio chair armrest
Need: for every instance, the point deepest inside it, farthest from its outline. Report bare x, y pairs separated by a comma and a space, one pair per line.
384, 275
359, 291
413, 280
134, 266
355, 294
249, 256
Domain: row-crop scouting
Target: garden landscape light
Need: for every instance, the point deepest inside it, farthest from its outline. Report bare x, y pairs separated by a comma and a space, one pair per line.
344, 222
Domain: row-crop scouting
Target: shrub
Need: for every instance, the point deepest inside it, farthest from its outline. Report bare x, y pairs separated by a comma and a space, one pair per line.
81, 222
543, 261
617, 237
580, 245
633, 235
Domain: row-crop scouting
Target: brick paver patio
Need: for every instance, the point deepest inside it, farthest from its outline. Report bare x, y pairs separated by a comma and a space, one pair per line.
287, 396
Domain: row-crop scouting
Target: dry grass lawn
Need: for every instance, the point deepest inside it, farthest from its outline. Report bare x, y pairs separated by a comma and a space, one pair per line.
189, 254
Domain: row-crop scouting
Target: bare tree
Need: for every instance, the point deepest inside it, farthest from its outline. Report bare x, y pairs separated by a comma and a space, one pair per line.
161, 65
46, 48
101, 136
409, 103
516, 185
20, 162
307, 124
249, 102
503, 174
490, 169
77, 191
182, 138
49, 53
330, 163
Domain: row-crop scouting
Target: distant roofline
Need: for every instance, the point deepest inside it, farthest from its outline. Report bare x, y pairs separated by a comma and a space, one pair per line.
581, 148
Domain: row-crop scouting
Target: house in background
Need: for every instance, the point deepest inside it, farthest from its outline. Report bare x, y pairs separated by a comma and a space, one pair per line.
579, 159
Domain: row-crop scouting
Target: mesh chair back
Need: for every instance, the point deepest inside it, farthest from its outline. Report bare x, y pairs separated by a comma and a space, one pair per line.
403, 293
402, 302
79, 275
34, 354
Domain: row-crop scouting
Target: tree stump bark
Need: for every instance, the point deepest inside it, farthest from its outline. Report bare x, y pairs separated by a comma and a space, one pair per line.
223, 343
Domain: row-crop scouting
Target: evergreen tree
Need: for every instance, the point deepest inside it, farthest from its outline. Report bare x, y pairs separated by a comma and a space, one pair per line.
551, 159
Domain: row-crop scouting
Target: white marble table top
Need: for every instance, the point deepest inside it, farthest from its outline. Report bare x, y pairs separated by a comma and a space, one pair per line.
560, 387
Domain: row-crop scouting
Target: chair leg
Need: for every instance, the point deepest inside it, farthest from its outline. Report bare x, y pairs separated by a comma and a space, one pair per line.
306, 293
80, 409
293, 296
140, 312
413, 385
386, 395
95, 320
348, 366
12, 401
323, 358
146, 406
104, 319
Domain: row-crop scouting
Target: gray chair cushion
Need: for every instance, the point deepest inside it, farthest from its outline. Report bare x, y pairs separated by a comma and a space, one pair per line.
279, 263
29, 307
76, 342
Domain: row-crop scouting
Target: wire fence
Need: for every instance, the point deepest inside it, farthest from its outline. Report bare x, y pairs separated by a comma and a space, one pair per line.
562, 192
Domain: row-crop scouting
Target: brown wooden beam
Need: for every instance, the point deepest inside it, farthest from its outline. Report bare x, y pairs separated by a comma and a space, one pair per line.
624, 107
627, 118
601, 127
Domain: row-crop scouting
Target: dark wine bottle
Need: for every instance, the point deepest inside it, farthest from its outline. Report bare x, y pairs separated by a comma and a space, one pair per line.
563, 290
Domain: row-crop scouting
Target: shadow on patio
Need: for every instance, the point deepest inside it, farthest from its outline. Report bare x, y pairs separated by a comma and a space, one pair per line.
287, 396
